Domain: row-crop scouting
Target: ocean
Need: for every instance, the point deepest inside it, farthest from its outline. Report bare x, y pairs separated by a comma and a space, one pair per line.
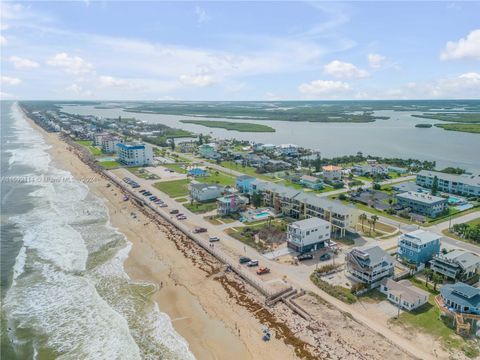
65, 294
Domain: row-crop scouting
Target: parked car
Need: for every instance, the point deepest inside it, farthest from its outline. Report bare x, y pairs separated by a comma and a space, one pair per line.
263, 270
178, 215
153, 198
214, 239
304, 257
183, 217
163, 205
148, 193
142, 191
135, 186
325, 257
174, 211
199, 230
244, 259
252, 263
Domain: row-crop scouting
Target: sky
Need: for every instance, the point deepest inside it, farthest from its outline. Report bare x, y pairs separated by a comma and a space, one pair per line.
270, 50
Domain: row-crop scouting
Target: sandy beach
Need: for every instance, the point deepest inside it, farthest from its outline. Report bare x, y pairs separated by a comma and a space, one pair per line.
202, 306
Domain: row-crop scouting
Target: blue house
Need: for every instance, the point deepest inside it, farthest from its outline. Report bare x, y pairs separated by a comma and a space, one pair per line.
197, 172
461, 298
418, 247
244, 183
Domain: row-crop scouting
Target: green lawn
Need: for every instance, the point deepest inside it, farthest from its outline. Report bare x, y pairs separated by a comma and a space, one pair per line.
470, 128
175, 188
452, 214
247, 170
110, 164
175, 167
201, 207
217, 177
181, 200
95, 151
141, 172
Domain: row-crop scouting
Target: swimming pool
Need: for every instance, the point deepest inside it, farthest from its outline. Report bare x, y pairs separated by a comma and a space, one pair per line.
262, 214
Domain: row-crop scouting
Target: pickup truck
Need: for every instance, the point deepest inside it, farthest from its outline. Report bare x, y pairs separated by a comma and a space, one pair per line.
199, 230
263, 270
304, 257
252, 263
175, 211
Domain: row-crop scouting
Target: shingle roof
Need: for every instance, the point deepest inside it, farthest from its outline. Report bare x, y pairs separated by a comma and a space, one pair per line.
461, 294
406, 289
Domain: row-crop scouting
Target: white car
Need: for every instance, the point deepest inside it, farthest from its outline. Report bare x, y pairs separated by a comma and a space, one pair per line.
252, 263
214, 239
163, 205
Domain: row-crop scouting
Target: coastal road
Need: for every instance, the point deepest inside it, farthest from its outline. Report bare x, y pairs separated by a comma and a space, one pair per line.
298, 276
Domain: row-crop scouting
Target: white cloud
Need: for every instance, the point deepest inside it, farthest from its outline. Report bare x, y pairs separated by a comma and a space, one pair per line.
70, 64
464, 48
343, 70
3, 40
79, 91
5, 96
202, 16
7, 80
325, 88
375, 60
23, 63
200, 80
110, 81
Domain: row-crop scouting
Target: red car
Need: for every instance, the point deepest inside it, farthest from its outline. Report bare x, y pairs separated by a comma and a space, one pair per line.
262, 271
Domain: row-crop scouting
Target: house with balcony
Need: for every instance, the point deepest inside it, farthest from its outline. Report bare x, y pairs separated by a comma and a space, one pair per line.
243, 183
231, 204
205, 192
467, 184
418, 247
332, 172
135, 154
208, 151
457, 265
369, 265
461, 298
423, 204
308, 235
288, 149
404, 294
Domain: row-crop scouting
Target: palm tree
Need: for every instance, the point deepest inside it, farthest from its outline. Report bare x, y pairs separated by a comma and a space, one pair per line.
362, 218
374, 220
428, 274
437, 279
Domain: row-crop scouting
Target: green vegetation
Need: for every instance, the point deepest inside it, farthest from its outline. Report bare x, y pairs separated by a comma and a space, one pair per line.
453, 170
452, 117
337, 291
428, 319
197, 207
470, 128
217, 177
181, 200
142, 173
95, 151
175, 167
109, 164
175, 188
372, 296
237, 126
312, 111
469, 231
247, 170
423, 126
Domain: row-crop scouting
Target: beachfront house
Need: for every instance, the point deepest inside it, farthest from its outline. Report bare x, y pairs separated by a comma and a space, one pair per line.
311, 182
332, 172
423, 204
205, 192
243, 183
404, 294
231, 204
135, 154
369, 264
97, 138
308, 235
461, 298
373, 169
456, 265
418, 247
467, 184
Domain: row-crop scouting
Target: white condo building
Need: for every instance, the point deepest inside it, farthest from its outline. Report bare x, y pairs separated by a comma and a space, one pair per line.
135, 154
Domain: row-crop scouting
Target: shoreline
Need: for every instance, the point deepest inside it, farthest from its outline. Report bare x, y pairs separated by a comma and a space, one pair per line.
199, 307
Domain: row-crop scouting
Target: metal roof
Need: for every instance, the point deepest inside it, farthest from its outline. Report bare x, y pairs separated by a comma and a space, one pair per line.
421, 237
